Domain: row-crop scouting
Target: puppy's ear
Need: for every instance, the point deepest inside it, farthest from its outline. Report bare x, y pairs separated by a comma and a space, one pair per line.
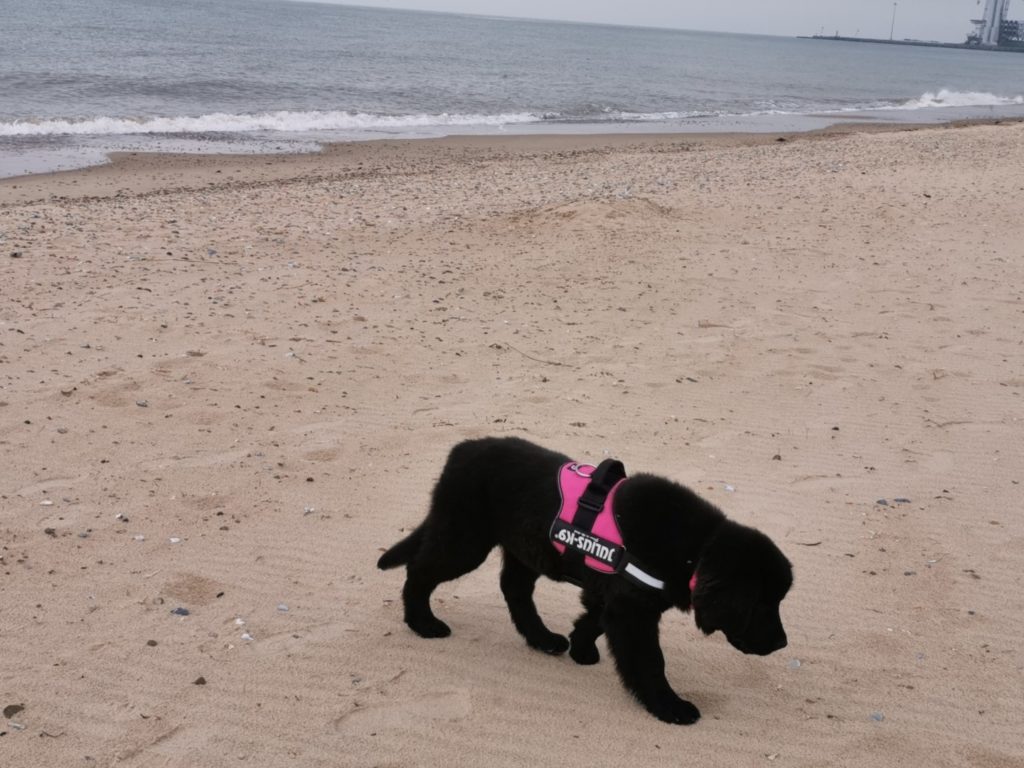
701, 586
706, 603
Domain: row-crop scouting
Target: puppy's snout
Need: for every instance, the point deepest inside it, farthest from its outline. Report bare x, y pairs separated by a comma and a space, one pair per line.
771, 646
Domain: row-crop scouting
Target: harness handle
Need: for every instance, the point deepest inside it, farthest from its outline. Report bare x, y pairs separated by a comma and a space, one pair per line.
602, 480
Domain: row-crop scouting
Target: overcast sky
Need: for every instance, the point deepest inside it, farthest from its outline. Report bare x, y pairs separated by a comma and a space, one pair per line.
946, 20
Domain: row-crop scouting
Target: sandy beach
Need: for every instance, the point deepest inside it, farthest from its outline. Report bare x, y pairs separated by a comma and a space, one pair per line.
226, 383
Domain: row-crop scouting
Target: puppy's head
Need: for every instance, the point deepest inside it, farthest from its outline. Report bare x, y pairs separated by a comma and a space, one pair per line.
742, 578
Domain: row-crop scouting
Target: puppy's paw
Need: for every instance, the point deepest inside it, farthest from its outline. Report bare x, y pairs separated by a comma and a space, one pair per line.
552, 643
669, 708
430, 626
583, 652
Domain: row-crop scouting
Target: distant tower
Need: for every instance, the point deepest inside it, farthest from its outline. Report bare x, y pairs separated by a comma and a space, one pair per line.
988, 27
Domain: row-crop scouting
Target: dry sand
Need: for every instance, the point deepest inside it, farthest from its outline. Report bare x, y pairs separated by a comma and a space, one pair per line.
226, 383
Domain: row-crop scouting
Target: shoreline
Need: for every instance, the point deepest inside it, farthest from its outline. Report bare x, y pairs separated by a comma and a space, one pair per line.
24, 156
148, 172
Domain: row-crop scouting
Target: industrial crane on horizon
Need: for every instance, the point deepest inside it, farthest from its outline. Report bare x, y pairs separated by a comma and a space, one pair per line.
989, 28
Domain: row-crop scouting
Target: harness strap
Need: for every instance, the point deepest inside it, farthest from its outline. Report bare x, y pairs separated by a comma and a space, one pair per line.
575, 537
591, 502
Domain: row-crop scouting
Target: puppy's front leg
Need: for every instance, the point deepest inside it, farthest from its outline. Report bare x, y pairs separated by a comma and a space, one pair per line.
586, 630
632, 632
517, 583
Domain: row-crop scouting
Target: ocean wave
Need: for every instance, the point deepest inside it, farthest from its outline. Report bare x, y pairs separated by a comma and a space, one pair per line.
942, 98
297, 122
616, 116
344, 121
948, 98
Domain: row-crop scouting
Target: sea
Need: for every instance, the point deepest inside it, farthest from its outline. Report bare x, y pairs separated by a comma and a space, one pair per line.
81, 78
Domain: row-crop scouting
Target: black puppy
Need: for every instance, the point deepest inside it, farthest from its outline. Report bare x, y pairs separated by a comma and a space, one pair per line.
504, 491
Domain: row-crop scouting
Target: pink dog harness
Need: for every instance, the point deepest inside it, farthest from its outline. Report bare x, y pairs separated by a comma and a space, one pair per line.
585, 530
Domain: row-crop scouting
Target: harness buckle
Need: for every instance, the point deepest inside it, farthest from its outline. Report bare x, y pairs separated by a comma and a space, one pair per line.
589, 505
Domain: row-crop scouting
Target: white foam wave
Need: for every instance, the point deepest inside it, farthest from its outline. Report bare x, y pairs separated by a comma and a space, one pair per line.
220, 122
942, 98
335, 121
645, 117
948, 98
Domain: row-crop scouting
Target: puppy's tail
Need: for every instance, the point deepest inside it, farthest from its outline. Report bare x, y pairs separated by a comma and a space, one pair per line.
402, 552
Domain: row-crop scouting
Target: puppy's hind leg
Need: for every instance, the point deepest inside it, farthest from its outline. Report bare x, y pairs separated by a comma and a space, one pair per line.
452, 541
422, 578
517, 582
441, 557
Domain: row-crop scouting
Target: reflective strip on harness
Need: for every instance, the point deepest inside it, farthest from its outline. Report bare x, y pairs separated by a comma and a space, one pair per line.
643, 577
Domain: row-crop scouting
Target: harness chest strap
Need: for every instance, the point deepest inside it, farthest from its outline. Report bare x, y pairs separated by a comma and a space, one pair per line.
585, 529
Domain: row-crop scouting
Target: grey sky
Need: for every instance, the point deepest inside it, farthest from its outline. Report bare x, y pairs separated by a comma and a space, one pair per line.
946, 20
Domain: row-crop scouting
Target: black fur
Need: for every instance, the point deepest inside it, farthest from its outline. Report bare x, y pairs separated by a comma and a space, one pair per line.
503, 491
